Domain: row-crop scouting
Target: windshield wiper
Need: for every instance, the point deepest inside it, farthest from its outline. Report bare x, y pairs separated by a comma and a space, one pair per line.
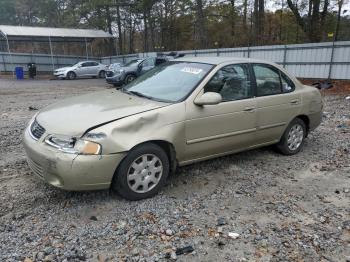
136, 93
140, 94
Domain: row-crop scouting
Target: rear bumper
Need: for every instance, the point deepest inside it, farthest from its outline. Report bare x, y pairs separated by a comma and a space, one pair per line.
70, 171
315, 120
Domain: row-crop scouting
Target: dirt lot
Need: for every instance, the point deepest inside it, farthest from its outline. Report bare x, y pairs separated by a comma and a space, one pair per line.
283, 208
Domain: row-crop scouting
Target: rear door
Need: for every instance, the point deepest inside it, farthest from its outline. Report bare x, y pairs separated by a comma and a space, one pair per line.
94, 68
226, 127
277, 102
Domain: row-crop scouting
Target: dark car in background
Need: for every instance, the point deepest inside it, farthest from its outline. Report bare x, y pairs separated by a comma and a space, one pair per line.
118, 76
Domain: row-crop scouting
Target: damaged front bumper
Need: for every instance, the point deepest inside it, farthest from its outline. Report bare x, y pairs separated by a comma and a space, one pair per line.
70, 171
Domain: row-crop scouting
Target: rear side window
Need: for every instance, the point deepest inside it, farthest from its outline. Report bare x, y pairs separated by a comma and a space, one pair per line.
287, 83
268, 80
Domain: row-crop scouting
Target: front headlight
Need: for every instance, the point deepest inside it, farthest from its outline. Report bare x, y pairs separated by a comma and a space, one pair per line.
73, 145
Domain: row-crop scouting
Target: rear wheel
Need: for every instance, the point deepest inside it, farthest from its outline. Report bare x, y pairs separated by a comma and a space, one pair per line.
71, 75
293, 138
129, 79
142, 173
102, 74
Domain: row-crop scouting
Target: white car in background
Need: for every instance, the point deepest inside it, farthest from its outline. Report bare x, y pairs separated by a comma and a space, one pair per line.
81, 69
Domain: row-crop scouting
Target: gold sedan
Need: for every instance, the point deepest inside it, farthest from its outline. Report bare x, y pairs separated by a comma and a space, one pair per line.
181, 112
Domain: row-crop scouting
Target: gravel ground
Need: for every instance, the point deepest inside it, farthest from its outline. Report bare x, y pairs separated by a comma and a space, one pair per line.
252, 206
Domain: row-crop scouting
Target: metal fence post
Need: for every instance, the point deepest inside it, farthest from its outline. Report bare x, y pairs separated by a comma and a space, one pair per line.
53, 65
86, 50
3, 61
284, 56
331, 62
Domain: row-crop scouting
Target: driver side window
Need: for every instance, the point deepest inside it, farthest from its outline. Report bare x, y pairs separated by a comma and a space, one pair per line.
232, 82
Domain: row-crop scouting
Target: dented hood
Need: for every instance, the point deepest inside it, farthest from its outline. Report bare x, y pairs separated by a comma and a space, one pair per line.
73, 116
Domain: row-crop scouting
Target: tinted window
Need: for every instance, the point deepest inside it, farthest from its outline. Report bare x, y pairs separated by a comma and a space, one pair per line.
171, 82
232, 82
267, 80
160, 61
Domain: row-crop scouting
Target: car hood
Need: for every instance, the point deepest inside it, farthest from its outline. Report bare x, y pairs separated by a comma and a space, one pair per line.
128, 68
74, 116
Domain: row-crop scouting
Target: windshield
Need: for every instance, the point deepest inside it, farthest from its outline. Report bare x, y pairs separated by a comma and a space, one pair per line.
132, 63
169, 82
114, 66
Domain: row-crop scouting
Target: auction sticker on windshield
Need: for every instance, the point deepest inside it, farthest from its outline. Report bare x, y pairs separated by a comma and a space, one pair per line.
192, 70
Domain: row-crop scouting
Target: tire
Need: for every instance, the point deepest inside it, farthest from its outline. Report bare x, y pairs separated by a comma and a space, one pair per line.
71, 75
293, 138
102, 74
129, 79
142, 173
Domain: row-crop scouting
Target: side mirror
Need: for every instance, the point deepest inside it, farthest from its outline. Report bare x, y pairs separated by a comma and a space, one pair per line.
209, 98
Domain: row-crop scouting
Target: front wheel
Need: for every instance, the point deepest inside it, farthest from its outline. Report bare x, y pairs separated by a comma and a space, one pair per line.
293, 138
71, 75
142, 173
129, 79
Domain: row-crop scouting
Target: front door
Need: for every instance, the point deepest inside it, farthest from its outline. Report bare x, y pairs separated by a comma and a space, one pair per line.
83, 70
147, 65
226, 127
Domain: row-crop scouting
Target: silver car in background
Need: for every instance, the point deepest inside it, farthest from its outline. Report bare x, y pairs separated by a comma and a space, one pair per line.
81, 69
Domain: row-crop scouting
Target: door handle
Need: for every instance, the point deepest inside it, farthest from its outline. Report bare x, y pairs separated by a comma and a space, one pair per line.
249, 109
294, 102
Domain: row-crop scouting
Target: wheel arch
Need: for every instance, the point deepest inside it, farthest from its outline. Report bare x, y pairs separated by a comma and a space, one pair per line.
169, 150
130, 73
306, 120
71, 72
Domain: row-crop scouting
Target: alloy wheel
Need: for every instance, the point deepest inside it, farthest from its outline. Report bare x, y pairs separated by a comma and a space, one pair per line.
295, 137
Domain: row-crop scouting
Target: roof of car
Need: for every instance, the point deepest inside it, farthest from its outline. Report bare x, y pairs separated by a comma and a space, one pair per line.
88, 61
219, 60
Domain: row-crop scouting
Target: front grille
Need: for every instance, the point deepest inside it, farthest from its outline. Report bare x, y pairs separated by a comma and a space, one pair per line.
36, 168
109, 73
36, 130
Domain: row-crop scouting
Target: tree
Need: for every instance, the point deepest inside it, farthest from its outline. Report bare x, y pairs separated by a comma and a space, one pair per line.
313, 23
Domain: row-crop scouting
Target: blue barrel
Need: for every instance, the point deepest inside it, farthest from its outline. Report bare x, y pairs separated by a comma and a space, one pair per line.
19, 72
